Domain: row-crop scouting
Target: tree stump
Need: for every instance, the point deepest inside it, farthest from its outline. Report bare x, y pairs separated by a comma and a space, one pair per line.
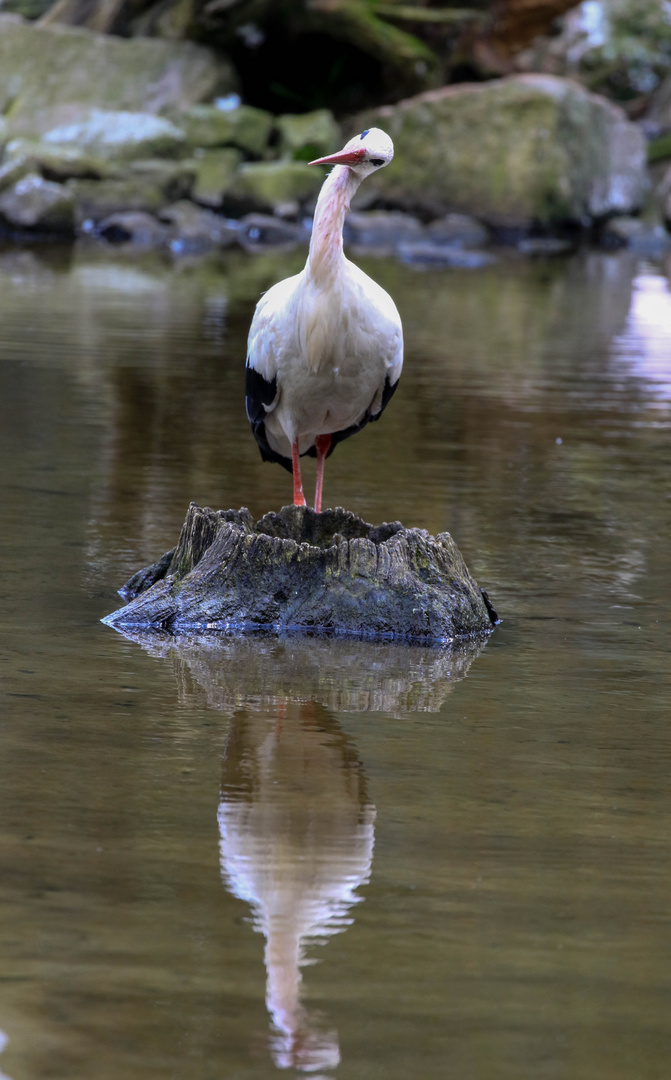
296, 570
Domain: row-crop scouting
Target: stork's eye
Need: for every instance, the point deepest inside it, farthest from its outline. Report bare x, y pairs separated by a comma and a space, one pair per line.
377, 161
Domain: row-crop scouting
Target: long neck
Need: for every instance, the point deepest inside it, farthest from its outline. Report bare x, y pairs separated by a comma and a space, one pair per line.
326, 252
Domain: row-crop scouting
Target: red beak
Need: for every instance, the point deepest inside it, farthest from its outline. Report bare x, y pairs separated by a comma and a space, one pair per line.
343, 157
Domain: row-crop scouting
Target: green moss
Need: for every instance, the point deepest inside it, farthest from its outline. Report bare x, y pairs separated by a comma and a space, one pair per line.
513, 151
215, 170
48, 74
275, 182
309, 135
246, 128
660, 148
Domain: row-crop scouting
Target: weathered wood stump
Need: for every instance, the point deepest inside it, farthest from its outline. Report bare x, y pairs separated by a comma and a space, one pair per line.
328, 573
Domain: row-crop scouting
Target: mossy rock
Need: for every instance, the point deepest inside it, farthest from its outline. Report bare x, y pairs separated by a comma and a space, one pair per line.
147, 186
120, 136
245, 127
38, 205
215, 170
301, 571
263, 185
194, 230
50, 74
56, 162
515, 152
659, 149
309, 135
14, 170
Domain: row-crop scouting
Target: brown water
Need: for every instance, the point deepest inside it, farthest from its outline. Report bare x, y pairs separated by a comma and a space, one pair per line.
478, 868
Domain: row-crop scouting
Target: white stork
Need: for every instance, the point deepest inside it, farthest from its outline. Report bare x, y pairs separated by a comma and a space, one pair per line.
325, 347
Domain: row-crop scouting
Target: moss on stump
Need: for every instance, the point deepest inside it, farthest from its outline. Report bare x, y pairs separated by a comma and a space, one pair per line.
296, 570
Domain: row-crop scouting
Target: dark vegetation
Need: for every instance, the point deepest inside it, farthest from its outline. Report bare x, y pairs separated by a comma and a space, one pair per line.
298, 55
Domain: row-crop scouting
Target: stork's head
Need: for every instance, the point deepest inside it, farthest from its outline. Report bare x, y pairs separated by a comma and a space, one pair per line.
364, 154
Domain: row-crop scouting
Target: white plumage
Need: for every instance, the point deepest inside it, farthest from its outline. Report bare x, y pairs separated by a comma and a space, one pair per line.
325, 347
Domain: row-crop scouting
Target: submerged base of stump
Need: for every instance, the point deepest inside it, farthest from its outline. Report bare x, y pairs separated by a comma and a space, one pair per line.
296, 570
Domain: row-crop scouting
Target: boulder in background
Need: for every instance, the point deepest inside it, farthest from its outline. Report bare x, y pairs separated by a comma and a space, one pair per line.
215, 170
266, 186
50, 74
244, 127
55, 162
309, 135
120, 136
516, 152
146, 187
38, 204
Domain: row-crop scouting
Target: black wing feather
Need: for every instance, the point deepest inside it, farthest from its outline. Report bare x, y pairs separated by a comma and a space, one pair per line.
259, 393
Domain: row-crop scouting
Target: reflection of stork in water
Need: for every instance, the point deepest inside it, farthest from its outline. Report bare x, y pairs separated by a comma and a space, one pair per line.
296, 841
3, 1042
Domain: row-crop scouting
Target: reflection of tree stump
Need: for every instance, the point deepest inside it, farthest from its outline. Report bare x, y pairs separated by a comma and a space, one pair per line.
227, 671
298, 570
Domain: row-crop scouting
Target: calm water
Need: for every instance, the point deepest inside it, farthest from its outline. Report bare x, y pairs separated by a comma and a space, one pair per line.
249, 859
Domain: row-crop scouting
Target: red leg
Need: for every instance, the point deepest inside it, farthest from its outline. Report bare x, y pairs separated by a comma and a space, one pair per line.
299, 497
323, 445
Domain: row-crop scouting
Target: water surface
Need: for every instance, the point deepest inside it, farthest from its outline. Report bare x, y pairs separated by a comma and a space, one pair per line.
254, 858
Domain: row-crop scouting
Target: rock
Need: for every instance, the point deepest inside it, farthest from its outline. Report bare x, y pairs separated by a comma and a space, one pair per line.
135, 227
14, 170
381, 230
264, 185
664, 199
194, 230
458, 230
639, 236
515, 152
145, 189
120, 136
50, 75
245, 127
659, 148
175, 177
545, 245
427, 253
302, 571
289, 211
38, 204
56, 162
658, 115
309, 135
666, 210
215, 170
259, 232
